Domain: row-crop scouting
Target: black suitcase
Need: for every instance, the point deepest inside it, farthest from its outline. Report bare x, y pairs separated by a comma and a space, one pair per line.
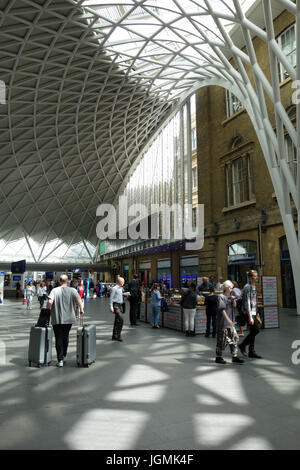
44, 318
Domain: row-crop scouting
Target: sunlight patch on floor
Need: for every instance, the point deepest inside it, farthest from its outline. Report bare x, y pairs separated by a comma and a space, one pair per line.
212, 430
107, 429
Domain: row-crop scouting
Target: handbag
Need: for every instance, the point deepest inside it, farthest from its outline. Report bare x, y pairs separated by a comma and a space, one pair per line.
259, 321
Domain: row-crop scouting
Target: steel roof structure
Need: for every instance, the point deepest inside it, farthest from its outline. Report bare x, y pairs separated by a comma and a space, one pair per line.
87, 83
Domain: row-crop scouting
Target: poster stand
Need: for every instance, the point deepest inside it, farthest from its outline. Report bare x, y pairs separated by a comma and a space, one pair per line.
1, 289
270, 302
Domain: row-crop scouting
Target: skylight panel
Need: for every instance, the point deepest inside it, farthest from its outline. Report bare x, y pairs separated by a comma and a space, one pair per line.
144, 36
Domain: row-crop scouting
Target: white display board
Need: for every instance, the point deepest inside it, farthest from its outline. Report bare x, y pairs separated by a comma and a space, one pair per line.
1, 288
270, 300
270, 290
200, 321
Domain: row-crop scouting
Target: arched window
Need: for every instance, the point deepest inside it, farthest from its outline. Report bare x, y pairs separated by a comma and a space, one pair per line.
236, 142
242, 251
233, 104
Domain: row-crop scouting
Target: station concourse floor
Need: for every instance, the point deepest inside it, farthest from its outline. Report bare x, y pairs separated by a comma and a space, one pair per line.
157, 390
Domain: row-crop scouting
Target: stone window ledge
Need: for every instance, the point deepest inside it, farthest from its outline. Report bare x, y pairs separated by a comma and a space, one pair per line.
239, 206
235, 115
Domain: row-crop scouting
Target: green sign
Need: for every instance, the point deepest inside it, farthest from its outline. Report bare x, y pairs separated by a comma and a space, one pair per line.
102, 247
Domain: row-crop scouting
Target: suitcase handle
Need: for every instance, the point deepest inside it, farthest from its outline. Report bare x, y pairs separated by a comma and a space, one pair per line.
46, 346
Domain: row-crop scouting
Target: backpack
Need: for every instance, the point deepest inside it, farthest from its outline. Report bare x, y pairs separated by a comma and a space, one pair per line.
242, 316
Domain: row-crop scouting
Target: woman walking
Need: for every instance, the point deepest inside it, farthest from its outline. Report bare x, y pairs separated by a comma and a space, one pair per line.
42, 293
189, 304
29, 294
226, 332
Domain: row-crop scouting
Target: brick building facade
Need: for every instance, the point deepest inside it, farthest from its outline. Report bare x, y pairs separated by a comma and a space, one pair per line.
243, 226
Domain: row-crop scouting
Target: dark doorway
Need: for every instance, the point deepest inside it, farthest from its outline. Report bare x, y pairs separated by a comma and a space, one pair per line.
287, 278
241, 258
238, 272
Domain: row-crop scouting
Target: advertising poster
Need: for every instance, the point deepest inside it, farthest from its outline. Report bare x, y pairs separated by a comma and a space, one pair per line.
200, 321
270, 299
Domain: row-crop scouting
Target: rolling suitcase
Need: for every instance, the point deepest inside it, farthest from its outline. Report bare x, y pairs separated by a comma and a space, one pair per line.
40, 346
86, 345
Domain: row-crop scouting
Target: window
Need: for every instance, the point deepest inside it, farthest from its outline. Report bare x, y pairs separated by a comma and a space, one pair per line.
291, 156
249, 174
233, 104
194, 139
287, 43
194, 216
238, 180
194, 177
228, 202
236, 142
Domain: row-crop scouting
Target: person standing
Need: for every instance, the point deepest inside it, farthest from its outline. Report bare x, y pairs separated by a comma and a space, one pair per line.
18, 290
237, 294
226, 333
116, 303
49, 287
211, 281
133, 288
189, 304
29, 294
62, 301
42, 293
219, 286
204, 287
249, 296
211, 303
155, 305
81, 291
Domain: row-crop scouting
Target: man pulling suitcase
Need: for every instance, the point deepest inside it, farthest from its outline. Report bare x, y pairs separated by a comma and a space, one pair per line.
62, 301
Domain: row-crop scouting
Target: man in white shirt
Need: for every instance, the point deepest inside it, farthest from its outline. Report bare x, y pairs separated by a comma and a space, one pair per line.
117, 307
62, 301
219, 286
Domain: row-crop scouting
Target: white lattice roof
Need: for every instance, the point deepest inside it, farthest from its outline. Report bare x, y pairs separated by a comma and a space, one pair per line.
87, 85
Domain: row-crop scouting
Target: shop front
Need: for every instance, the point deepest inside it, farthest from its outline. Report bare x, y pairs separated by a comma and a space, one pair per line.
145, 273
164, 272
188, 267
126, 273
241, 258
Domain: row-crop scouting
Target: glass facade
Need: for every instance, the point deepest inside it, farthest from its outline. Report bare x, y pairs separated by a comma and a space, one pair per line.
166, 173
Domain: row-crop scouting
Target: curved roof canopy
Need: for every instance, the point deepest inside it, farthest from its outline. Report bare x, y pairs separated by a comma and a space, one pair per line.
88, 83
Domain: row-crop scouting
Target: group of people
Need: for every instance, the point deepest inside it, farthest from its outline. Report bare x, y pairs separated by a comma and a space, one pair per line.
220, 312
64, 300
35, 288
